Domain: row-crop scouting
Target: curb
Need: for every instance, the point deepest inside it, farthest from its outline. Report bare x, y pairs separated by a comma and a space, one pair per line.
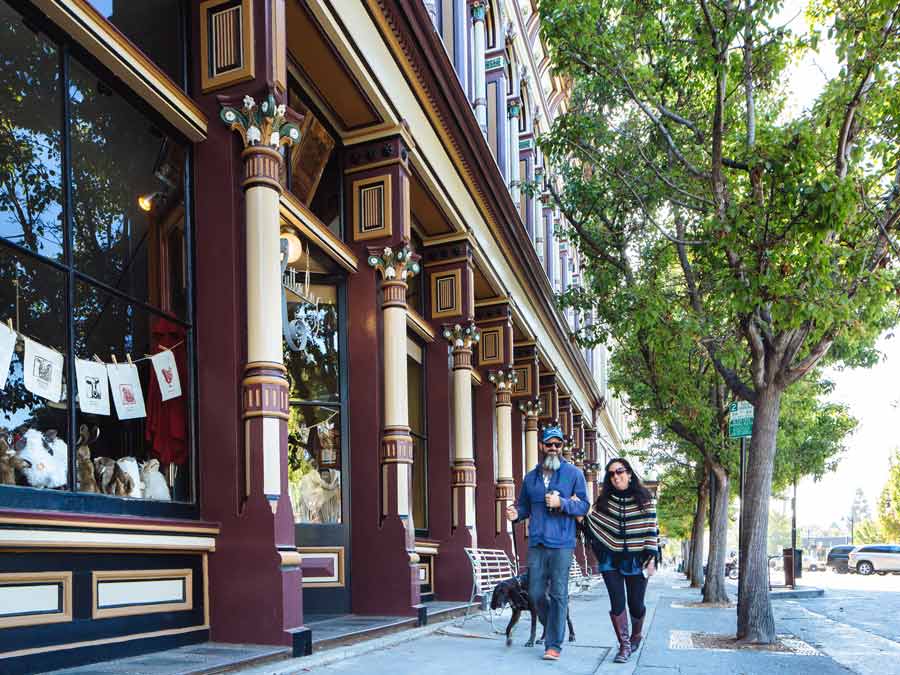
607, 665
797, 593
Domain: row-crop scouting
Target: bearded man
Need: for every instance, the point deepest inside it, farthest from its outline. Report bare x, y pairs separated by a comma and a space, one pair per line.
553, 495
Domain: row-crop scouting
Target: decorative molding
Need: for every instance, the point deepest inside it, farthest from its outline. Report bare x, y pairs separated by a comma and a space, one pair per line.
496, 63
296, 215
394, 265
417, 324
532, 408
261, 125
462, 339
133, 592
524, 380
226, 43
372, 208
55, 539
328, 564
73, 521
86, 26
446, 294
504, 379
44, 597
491, 352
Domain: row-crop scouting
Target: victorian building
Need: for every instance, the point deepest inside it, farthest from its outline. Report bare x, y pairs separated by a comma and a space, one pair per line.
277, 293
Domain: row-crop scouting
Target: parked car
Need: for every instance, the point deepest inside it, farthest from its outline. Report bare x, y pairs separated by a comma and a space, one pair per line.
837, 558
875, 558
813, 564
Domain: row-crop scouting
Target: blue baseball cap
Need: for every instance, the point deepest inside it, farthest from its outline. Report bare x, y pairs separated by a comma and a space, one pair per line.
551, 432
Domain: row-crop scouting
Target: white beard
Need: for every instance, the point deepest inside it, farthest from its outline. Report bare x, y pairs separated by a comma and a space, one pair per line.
551, 462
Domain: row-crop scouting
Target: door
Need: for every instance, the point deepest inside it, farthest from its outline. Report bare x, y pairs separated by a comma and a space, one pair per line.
317, 444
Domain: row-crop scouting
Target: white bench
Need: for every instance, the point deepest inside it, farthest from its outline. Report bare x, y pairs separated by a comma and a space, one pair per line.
578, 581
490, 566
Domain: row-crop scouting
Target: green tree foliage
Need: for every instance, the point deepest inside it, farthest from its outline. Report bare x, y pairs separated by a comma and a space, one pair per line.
869, 531
688, 185
889, 502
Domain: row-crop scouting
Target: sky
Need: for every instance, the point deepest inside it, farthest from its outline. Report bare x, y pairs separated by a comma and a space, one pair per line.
873, 395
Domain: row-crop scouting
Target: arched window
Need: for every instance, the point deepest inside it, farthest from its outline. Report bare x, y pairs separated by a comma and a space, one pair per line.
525, 112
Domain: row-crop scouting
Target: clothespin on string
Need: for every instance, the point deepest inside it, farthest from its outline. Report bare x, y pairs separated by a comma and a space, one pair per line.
98, 359
128, 356
113, 357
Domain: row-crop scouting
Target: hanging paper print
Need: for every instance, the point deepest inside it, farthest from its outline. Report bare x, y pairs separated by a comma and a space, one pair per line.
7, 345
43, 371
166, 374
93, 387
126, 390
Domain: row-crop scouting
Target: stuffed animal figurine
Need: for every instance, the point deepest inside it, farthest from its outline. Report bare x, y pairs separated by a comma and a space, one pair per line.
60, 451
130, 467
111, 479
10, 462
44, 470
86, 480
155, 486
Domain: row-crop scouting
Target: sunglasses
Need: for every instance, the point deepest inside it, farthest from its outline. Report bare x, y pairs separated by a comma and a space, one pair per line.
552, 445
618, 472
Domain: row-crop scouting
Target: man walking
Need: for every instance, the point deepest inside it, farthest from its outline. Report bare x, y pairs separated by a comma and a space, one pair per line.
553, 495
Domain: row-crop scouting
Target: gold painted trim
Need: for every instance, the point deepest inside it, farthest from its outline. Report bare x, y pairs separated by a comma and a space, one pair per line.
426, 550
446, 238
109, 541
448, 261
206, 588
294, 213
374, 165
311, 551
387, 202
476, 378
264, 379
290, 558
490, 302
81, 524
209, 82
458, 293
500, 358
186, 605
49, 578
373, 133
417, 324
265, 413
103, 41
105, 641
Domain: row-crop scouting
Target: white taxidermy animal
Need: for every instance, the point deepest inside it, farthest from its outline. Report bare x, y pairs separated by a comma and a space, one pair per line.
130, 466
155, 486
48, 469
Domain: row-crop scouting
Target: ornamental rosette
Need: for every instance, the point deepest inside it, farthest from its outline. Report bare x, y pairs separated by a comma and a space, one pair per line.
262, 124
462, 337
531, 407
504, 378
400, 264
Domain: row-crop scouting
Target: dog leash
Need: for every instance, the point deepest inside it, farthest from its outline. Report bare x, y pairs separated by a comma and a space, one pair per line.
514, 546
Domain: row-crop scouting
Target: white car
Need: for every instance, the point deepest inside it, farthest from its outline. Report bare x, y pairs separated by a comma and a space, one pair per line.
875, 558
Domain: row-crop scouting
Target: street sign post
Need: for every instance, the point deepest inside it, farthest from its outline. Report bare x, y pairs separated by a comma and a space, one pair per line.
740, 425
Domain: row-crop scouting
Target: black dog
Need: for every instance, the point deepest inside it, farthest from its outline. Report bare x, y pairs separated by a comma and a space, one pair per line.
514, 591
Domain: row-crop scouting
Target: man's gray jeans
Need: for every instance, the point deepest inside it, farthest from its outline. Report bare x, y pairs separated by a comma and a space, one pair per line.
548, 585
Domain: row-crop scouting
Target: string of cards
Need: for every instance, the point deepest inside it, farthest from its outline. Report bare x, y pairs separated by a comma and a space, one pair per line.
97, 381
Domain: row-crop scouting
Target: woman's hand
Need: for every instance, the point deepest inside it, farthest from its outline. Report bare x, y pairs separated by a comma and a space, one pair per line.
651, 567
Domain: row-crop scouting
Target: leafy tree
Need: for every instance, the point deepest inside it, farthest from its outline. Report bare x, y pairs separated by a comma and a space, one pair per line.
889, 501
859, 512
676, 143
869, 531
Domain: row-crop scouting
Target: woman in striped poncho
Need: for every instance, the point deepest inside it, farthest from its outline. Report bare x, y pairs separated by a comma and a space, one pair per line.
624, 534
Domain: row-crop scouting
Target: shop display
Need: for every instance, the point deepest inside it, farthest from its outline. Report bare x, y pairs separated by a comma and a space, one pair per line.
43, 371
155, 486
7, 345
47, 456
166, 371
111, 479
93, 387
130, 468
10, 462
320, 497
86, 480
127, 395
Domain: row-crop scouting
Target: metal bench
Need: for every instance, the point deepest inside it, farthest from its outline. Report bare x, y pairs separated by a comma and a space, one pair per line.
490, 566
578, 581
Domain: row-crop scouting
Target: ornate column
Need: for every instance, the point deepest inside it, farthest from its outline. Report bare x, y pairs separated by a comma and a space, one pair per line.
504, 381
396, 442
514, 108
265, 388
479, 8
531, 409
462, 339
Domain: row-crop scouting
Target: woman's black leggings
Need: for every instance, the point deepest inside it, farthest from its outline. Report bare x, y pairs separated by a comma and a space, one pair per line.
616, 583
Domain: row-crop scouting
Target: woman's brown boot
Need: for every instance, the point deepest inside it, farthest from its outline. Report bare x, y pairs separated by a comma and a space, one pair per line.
637, 626
620, 625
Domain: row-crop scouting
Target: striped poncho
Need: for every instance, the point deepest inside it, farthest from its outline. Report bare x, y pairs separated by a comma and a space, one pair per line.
624, 527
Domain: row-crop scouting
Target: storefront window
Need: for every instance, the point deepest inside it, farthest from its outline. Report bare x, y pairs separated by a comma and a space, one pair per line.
415, 383
155, 26
95, 374
315, 423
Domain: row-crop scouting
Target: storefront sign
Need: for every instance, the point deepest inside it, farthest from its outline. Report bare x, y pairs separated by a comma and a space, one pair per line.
7, 345
126, 391
43, 371
93, 387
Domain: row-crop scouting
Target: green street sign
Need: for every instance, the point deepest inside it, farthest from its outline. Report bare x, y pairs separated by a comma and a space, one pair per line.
740, 419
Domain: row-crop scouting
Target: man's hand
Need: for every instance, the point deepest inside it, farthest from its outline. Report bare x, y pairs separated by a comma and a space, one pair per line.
512, 513
552, 501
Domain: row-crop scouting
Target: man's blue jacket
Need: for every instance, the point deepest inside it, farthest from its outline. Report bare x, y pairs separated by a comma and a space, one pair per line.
553, 529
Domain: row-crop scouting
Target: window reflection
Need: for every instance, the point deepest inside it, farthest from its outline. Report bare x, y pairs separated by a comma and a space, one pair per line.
30, 138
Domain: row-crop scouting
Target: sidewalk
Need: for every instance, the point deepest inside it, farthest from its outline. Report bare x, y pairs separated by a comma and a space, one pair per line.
452, 648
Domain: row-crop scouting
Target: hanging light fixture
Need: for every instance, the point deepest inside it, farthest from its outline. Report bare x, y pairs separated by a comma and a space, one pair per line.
146, 202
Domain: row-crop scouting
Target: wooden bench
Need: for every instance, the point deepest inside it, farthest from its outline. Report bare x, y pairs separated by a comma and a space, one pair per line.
490, 566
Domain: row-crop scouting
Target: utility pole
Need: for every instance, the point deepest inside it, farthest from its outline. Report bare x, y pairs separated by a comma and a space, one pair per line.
794, 532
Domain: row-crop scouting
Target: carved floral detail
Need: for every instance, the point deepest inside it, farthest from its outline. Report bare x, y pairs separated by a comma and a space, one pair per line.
399, 264
261, 124
504, 379
531, 407
462, 337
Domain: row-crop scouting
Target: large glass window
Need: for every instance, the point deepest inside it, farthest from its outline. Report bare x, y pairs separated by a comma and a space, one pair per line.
415, 383
93, 269
155, 26
315, 425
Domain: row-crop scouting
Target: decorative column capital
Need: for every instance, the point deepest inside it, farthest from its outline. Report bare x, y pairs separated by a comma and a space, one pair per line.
531, 408
479, 9
513, 107
394, 265
504, 380
462, 339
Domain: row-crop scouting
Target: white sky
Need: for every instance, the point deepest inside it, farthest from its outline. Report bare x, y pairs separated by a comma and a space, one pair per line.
869, 393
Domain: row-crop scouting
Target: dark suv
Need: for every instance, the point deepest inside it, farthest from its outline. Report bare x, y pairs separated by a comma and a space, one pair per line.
837, 558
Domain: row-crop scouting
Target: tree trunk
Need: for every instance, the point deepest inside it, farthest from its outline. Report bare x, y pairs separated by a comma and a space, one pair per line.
697, 534
714, 588
685, 556
756, 623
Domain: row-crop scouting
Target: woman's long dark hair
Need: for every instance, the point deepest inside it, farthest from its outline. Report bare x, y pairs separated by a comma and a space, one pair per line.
635, 487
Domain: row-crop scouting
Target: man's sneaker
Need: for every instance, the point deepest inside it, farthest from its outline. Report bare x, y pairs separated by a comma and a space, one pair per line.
551, 655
